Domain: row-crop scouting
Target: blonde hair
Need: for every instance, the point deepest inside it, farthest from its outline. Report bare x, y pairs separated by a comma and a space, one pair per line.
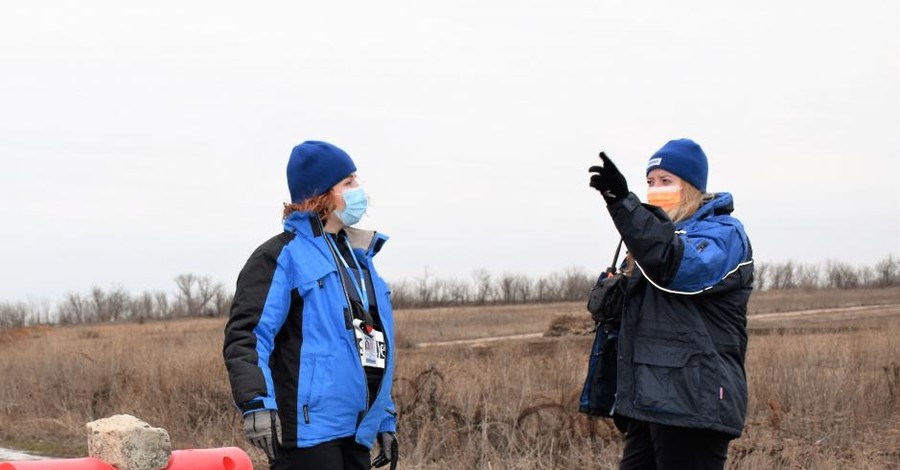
691, 200
322, 205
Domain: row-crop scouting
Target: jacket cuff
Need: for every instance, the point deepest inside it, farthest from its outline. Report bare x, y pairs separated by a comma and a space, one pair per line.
389, 424
628, 204
257, 405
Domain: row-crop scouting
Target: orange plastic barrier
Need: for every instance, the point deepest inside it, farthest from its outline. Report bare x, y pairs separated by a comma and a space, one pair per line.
224, 458
62, 464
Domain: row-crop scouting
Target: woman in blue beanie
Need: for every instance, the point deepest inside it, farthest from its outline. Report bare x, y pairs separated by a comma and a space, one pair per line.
309, 343
681, 392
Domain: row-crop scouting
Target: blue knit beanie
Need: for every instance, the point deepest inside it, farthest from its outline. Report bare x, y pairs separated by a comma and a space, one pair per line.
315, 167
683, 158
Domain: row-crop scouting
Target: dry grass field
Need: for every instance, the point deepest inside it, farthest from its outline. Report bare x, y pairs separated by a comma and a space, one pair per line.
824, 386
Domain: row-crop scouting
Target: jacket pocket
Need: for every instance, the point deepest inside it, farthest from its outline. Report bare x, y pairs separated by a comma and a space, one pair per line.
320, 286
314, 277
731, 395
316, 383
667, 379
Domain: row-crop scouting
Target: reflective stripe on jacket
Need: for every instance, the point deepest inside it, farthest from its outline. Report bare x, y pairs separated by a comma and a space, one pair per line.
683, 337
290, 345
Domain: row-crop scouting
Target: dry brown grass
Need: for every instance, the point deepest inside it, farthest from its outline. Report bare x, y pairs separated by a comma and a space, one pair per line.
810, 299
169, 374
416, 326
509, 405
826, 399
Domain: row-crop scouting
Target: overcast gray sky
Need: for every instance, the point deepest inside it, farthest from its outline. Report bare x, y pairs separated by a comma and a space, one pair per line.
144, 140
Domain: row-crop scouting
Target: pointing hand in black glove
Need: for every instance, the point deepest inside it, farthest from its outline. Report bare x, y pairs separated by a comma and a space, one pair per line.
608, 180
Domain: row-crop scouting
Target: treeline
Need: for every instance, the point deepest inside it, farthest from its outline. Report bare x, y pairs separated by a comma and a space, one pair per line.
485, 288
194, 296
831, 275
197, 296
574, 284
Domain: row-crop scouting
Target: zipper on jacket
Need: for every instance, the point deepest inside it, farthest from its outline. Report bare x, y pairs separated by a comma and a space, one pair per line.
306, 413
337, 263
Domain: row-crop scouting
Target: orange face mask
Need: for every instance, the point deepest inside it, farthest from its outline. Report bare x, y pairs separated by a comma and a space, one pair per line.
665, 197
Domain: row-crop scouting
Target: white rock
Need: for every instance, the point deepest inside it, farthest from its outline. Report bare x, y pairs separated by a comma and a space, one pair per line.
128, 443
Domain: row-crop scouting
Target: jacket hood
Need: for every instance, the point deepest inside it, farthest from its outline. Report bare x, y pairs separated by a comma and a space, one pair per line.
720, 204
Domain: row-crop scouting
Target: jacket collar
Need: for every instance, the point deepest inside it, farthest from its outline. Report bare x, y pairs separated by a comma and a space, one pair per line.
720, 204
369, 241
308, 224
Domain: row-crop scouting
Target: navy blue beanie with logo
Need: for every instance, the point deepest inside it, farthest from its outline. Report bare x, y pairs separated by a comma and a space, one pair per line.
683, 158
315, 167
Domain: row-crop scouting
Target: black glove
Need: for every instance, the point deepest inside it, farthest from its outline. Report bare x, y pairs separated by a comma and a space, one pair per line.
263, 429
608, 180
389, 450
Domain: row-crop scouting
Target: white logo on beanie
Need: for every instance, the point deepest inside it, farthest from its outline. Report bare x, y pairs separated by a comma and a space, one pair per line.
654, 162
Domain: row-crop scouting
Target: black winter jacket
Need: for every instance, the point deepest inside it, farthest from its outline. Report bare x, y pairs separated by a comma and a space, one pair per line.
683, 337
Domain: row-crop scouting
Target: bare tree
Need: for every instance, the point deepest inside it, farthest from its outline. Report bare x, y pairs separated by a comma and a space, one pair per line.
540, 290
484, 289
207, 290
186, 303
553, 287
39, 311
161, 305
576, 284
506, 286
783, 276
439, 294
865, 276
760, 276
13, 315
142, 307
197, 295
887, 272
222, 301
97, 304
523, 288
424, 290
807, 276
73, 309
401, 294
117, 303
840, 275
458, 292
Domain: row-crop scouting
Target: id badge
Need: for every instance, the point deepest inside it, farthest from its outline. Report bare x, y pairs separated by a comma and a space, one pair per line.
372, 349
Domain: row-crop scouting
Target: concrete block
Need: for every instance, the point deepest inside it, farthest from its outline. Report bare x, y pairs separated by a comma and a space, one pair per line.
128, 443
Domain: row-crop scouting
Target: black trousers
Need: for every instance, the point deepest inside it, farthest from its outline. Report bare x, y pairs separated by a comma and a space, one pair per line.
339, 454
650, 446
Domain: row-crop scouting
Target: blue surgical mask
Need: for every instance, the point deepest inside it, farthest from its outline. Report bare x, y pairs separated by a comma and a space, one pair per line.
355, 204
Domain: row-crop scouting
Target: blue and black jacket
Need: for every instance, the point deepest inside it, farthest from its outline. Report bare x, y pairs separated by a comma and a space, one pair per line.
683, 336
290, 344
